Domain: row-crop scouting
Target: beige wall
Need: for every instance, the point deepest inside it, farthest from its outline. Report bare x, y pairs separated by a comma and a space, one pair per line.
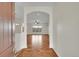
20, 38
66, 29
65, 26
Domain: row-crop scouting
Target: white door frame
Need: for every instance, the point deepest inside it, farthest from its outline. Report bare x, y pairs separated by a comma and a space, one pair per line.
47, 9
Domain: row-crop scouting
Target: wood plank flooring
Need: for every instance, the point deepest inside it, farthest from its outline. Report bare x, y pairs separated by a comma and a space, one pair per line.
26, 52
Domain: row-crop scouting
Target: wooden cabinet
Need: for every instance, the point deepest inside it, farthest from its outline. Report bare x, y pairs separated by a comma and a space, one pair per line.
6, 28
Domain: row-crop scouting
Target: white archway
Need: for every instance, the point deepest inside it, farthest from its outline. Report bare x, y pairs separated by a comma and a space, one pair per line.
46, 9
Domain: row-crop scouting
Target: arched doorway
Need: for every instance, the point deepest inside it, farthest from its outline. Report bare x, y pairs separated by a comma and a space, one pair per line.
37, 30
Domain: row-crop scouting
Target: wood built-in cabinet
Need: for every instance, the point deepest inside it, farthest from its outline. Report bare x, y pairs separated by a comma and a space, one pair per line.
6, 28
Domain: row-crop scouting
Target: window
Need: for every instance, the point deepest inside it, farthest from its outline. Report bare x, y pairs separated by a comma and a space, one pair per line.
37, 28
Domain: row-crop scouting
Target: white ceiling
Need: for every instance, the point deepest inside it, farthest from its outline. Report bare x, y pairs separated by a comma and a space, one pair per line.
19, 8
19, 12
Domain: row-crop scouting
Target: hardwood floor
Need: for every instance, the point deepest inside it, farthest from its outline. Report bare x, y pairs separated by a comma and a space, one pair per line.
35, 50
44, 44
26, 52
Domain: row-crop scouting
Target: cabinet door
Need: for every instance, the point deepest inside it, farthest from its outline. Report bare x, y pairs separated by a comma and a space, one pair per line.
6, 45
1, 34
